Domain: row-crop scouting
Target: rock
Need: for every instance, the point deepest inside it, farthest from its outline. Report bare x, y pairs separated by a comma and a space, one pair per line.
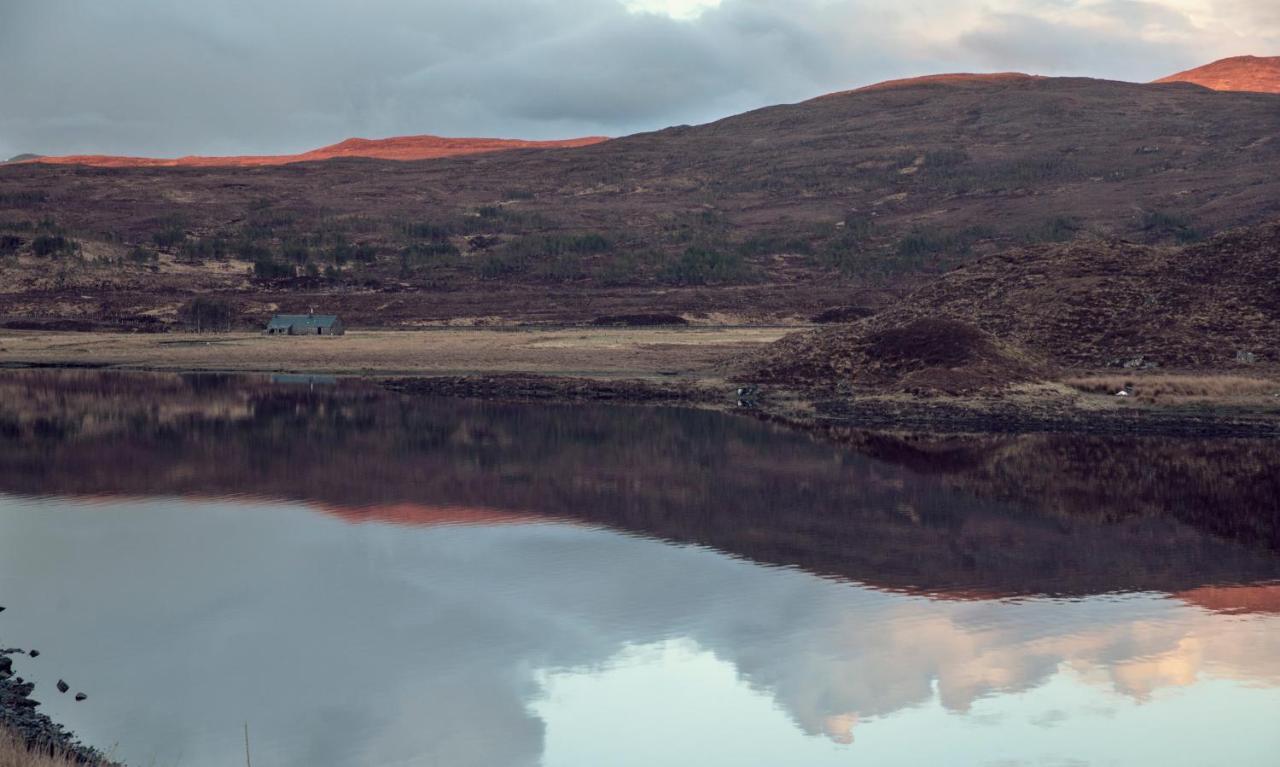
1, 609
63, 686
33, 653
6, 664
81, 696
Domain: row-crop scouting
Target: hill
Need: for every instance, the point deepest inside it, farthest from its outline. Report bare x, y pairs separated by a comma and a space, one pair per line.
399, 148
1086, 305
1240, 73
781, 212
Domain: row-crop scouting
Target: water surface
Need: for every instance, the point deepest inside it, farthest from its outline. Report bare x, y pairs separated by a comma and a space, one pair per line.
369, 579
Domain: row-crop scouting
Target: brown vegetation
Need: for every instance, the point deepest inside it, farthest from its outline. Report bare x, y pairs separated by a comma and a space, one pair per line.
934, 356
15, 753
1181, 389
1099, 304
601, 353
780, 212
1210, 305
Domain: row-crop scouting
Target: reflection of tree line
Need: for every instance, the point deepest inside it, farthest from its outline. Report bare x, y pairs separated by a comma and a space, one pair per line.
1000, 514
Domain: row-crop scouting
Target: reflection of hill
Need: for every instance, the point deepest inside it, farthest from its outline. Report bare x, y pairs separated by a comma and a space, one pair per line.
1008, 515
1229, 488
1236, 599
421, 515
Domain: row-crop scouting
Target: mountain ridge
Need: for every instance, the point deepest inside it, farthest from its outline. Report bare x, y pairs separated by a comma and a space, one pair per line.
1252, 74
404, 148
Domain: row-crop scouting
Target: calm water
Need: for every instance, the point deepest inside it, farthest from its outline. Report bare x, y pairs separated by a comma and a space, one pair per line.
371, 580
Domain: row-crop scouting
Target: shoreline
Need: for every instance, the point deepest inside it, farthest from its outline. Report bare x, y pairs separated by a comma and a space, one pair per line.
813, 410
21, 719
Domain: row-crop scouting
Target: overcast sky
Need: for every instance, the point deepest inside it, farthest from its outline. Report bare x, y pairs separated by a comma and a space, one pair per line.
160, 78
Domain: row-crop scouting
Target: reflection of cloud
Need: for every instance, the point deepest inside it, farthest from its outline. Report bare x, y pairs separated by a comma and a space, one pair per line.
1050, 718
431, 641
839, 727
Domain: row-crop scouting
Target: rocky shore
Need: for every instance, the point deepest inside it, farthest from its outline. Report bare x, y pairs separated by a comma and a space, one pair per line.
20, 717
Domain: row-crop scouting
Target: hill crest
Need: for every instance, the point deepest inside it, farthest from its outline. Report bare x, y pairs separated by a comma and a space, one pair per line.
1257, 74
404, 148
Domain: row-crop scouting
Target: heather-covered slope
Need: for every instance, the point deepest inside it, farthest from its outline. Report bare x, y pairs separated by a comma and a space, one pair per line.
1087, 304
873, 188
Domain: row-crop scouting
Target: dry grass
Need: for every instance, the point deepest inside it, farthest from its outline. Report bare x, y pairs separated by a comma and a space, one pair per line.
1175, 389
14, 753
587, 352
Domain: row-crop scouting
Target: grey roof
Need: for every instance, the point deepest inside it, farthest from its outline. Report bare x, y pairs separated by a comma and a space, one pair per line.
303, 321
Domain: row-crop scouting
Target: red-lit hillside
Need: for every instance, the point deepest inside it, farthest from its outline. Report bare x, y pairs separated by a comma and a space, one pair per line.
955, 78
1239, 73
399, 148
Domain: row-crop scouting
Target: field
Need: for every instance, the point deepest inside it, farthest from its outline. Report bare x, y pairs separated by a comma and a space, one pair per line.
606, 353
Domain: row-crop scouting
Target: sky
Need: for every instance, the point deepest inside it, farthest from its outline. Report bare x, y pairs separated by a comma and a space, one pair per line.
158, 78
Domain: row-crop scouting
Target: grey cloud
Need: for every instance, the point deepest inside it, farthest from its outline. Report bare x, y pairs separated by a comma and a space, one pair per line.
239, 76
1042, 47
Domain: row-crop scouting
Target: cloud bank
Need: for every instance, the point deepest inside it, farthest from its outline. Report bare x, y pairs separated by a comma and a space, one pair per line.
239, 76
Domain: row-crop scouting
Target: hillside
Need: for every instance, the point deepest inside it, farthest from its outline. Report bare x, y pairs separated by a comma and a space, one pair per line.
777, 213
1089, 305
398, 148
1240, 73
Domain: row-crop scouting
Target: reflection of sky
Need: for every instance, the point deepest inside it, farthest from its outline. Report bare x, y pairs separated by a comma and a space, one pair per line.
374, 644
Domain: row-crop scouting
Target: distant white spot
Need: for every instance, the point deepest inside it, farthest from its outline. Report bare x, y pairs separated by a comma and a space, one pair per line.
684, 10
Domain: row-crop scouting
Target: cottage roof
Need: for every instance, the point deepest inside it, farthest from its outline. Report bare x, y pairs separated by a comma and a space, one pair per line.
309, 321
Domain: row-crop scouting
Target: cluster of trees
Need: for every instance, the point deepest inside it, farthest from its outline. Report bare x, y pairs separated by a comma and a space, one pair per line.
22, 199
1160, 225
207, 315
46, 245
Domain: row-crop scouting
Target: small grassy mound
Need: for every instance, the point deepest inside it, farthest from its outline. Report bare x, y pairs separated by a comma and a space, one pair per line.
928, 343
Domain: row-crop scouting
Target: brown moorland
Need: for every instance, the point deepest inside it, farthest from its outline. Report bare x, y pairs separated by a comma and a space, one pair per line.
1084, 305
848, 199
